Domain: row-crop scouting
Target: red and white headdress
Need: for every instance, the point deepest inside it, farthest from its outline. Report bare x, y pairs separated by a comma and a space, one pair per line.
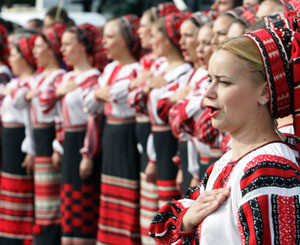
279, 46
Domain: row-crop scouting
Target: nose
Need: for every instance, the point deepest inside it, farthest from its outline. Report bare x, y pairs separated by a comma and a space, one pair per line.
214, 40
181, 40
199, 48
211, 91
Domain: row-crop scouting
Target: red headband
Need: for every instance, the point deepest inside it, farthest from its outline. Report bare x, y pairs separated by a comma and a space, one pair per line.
200, 18
25, 46
164, 9
53, 36
248, 17
93, 40
172, 23
129, 25
280, 52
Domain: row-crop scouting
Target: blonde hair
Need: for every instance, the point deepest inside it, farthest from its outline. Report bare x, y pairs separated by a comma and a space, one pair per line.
246, 50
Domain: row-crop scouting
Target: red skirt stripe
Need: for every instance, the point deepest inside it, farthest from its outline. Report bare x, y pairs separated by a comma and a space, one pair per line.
47, 191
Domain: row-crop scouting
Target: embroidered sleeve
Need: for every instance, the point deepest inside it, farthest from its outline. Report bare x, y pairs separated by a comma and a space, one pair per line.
88, 85
93, 105
166, 226
204, 131
269, 212
47, 96
18, 96
91, 146
137, 99
119, 90
163, 103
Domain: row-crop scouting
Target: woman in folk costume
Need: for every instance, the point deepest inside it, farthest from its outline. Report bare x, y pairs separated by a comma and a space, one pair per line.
16, 195
197, 76
47, 177
79, 197
251, 195
165, 43
138, 101
119, 199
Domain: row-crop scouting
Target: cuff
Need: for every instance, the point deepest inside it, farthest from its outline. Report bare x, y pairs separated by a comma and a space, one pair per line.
179, 225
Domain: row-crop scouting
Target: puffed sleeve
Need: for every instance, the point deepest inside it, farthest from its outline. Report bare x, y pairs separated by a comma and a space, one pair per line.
269, 211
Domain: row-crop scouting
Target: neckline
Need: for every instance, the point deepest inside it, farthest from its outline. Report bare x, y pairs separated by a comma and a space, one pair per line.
254, 149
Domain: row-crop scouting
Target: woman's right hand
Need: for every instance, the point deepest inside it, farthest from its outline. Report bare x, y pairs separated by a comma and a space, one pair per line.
151, 172
56, 160
64, 89
204, 205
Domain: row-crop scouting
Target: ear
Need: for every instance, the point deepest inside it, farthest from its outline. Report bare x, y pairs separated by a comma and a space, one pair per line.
263, 94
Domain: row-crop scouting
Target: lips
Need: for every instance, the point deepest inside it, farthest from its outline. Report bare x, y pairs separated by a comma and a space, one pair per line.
213, 111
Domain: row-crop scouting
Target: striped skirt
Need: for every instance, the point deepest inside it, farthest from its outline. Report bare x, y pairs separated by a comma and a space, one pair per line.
47, 189
16, 191
165, 145
80, 198
119, 200
148, 194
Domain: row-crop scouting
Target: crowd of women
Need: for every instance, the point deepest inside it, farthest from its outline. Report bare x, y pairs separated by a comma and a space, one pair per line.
104, 129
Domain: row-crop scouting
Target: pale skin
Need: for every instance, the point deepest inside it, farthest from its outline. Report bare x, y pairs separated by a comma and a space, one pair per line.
151, 172
235, 95
179, 180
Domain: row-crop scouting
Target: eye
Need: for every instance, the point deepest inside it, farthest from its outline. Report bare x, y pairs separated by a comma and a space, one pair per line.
225, 83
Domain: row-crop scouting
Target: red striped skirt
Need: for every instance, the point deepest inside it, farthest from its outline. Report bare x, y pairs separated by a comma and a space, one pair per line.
16, 191
120, 193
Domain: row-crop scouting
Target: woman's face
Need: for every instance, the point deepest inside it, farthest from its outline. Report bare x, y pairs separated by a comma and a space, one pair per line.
113, 41
233, 94
144, 32
221, 6
188, 41
71, 48
204, 47
42, 52
220, 29
159, 42
16, 61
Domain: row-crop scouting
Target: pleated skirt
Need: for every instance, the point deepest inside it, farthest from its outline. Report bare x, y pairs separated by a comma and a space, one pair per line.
79, 198
16, 191
47, 180
120, 193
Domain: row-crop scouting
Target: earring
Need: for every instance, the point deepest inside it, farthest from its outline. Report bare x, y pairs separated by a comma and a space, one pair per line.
262, 103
